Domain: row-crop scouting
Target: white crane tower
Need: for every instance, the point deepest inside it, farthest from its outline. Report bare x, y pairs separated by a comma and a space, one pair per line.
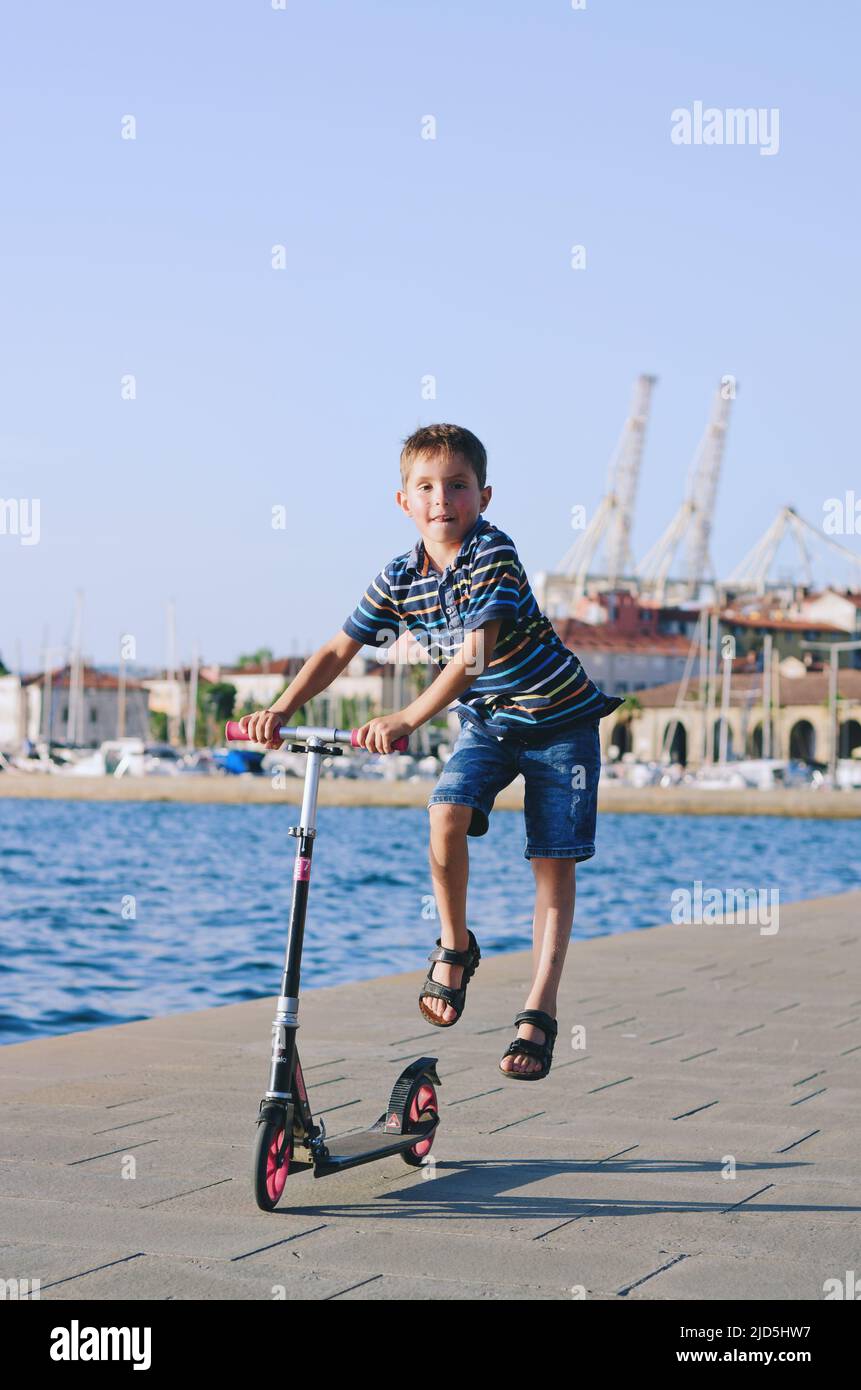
613, 518
752, 572
692, 523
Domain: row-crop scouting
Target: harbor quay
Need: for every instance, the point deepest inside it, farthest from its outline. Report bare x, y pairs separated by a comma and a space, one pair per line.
804, 802
695, 1140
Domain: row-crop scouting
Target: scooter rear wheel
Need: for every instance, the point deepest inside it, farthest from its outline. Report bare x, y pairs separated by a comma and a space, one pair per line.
422, 1101
268, 1175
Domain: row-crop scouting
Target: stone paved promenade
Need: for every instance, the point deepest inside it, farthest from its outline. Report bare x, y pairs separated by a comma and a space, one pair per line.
710, 1050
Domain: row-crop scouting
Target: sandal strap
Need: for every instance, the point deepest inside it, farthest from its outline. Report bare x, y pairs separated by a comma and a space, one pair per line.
541, 1020
447, 992
452, 957
529, 1047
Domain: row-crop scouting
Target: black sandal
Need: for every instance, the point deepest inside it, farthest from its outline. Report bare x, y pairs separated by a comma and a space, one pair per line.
528, 1047
455, 997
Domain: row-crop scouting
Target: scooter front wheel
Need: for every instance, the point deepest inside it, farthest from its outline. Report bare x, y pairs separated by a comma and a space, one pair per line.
422, 1102
270, 1168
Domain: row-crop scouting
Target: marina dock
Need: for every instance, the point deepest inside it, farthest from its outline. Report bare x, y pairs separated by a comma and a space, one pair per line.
701, 1145
342, 791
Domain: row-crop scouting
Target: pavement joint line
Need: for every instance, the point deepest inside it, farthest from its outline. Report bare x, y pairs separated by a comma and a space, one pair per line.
802, 1099
754, 1028
694, 1055
298, 1235
619, 1021
143, 1206
511, 1124
677, 989
139, 1254
623, 1292
794, 1145
542, 1235
735, 1206
608, 1084
845, 1022
687, 1113
475, 1096
783, 1008
416, 1037
669, 1038
812, 1075
370, 1280
91, 1158
114, 1104
131, 1123
856, 1048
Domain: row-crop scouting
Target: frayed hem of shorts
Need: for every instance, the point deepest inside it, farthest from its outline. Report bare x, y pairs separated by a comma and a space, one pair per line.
454, 801
577, 853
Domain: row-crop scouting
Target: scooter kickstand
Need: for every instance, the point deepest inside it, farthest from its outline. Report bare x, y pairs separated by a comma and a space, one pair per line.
318, 1143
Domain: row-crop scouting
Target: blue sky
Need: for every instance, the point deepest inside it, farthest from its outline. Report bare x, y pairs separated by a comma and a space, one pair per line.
405, 257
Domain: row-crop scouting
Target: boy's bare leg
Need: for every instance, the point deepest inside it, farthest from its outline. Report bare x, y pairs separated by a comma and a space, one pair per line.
449, 865
555, 891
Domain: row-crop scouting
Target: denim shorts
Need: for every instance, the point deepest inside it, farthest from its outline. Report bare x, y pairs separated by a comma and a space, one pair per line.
561, 786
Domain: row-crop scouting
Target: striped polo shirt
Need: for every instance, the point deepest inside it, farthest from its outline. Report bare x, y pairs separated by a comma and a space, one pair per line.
533, 686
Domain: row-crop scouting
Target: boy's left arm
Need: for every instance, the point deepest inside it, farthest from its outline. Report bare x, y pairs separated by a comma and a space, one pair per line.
461, 672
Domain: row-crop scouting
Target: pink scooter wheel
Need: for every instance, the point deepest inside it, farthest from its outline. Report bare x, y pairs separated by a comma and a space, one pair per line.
269, 1175
422, 1102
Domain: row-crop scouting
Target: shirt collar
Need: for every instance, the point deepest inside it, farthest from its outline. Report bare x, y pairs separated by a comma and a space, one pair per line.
417, 558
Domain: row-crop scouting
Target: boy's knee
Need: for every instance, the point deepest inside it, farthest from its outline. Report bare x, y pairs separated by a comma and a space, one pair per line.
449, 818
553, 867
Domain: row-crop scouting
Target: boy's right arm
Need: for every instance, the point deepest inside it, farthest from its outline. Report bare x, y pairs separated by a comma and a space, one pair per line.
317, 674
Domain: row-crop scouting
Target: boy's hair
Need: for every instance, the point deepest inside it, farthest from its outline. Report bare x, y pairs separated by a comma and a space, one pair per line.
444, 439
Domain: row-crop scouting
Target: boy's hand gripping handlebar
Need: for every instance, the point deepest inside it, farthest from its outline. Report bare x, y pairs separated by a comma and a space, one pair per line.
235, 732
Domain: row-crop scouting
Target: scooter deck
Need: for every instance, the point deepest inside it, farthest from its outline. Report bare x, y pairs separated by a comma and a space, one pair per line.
370, 1144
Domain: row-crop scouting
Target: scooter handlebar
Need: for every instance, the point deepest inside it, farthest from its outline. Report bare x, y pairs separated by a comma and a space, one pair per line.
236, 734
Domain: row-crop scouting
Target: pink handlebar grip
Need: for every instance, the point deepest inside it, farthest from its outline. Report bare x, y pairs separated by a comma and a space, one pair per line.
233, 730
400, 745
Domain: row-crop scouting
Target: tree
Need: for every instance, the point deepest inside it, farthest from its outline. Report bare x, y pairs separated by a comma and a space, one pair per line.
215, 703
261, 657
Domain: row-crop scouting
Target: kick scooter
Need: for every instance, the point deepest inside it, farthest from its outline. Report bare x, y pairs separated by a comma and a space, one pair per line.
409, 1121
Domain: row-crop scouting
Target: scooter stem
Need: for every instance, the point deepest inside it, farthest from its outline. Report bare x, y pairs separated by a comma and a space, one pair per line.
286, 1020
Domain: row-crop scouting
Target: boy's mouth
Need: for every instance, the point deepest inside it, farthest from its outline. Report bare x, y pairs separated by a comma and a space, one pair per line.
442, 518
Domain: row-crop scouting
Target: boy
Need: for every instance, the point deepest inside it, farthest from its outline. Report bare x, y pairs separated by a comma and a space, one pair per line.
524, 702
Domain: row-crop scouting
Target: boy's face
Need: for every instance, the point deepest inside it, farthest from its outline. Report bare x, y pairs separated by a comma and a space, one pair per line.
443, 498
